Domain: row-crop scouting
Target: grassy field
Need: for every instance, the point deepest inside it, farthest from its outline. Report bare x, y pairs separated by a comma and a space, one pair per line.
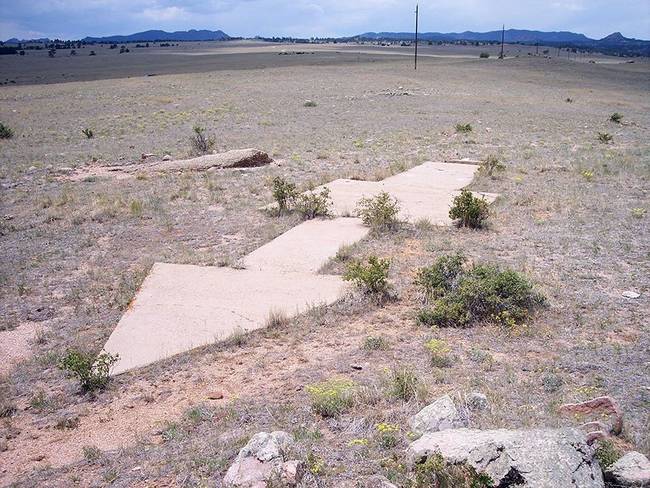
572, 216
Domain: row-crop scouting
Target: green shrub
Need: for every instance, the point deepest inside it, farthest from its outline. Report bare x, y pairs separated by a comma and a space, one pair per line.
375, 343
616, 118
200, 144
491, 165
91, 371
439, 278
605, 137
469, 211
387, 435
372, 278
310, 103
379, 212
483, 293
5, 132
484, 55
88, 133
607, 453
405, 384
439, 351
464, 128
313, 204
436, 472
284, 193
332, 397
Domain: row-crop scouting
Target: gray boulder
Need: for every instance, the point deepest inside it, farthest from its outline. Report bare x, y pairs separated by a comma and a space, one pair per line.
477, 401
263, 460
440, 415
540, 458
632, 470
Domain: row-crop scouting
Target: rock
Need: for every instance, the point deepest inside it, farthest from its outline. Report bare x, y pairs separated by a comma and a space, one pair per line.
539, 458
215, 395
440, 415
238, 158
633, 469
4, 445
262, 461
595, 409
631, 294
357, 367
477, 401
167, 157
378, 482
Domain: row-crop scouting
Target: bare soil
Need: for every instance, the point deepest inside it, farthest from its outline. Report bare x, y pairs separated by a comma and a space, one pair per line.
573, 216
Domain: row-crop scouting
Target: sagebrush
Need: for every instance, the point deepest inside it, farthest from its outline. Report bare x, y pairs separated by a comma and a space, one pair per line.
379, 212
371, 277
469, 211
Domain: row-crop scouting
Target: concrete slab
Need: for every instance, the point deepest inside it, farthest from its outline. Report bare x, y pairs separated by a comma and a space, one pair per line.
180, 307
308, 246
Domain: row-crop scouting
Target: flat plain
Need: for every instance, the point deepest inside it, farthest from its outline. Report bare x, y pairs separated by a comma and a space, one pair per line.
573, 215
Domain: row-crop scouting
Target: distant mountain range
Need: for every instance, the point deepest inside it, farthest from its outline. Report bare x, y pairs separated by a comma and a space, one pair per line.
159, 35
615, 43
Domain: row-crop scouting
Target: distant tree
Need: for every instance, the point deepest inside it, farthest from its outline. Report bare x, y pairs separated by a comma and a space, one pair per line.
51, 52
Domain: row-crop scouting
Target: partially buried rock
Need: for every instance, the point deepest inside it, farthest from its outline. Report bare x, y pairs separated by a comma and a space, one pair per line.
477, 401
632, 470
440, 415
262, 462
541, 458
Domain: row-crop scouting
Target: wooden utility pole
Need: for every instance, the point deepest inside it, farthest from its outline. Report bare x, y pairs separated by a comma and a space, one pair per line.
416, 35
503, 37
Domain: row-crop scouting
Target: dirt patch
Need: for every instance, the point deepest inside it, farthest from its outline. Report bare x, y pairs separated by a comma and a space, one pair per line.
16, 345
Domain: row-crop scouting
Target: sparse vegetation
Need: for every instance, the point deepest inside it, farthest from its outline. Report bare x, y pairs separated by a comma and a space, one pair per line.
386, 435
405, 384
469, 211
88, 133
5, 131
379, 212
605, 137
484, 55
491, 165
310, 103
277, 319
91, 370
607, 453
375, 343
616, 118
464, 128
199, 142
435, 472
371, 277
480, 293
332, 397
439, 351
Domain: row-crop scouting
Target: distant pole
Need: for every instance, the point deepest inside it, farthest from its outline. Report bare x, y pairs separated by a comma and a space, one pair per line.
503, 37
416, 35
537, 49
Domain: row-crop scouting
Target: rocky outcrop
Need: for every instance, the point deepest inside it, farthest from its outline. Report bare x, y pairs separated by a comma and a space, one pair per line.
601, 417
516, 458
238, 158
263, 460
632, 470
440, 415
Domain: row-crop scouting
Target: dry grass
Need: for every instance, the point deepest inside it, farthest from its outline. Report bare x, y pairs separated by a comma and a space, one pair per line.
74, 253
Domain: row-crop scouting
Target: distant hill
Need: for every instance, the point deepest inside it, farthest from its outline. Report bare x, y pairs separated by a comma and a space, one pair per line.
159, 35
615, 43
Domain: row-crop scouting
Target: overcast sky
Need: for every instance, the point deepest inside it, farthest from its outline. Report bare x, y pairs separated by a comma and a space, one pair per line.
72, 19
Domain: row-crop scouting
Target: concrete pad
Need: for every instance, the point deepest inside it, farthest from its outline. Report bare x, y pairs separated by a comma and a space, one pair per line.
180, 307
306, 247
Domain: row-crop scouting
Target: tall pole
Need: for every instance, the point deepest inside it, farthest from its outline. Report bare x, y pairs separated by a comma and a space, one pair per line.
416, 36
503, 37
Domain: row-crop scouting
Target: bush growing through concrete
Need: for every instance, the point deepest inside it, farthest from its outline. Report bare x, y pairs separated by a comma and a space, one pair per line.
5, 132
332, 397
200, 144
91, 371
372, 278
482, 293
313, 204
284, 193
469, 211
379, 212
464, 128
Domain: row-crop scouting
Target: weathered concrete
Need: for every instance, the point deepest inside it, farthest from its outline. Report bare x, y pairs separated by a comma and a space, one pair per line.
180, 307
306, 247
